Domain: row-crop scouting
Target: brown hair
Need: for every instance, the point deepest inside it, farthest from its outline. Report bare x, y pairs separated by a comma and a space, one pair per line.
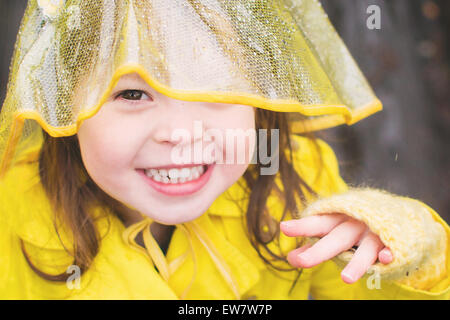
72, 193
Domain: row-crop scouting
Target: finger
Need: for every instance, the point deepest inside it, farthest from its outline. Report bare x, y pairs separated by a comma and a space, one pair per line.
314, 226
292, 256
385, 256
340, 239
364, 257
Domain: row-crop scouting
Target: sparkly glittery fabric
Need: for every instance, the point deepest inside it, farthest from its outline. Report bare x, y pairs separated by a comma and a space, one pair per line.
281, 55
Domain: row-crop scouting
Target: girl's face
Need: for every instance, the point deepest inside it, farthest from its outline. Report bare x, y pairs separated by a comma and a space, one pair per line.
129, 149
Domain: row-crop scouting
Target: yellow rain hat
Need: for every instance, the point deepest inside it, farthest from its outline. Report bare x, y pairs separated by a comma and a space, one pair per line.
280, 55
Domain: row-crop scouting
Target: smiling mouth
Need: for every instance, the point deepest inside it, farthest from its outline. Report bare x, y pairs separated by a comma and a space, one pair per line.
176, 175
179, 180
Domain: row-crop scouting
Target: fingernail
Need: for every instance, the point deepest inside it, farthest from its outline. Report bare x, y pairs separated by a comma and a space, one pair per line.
347, 277
287, 224
305, 256
387, 255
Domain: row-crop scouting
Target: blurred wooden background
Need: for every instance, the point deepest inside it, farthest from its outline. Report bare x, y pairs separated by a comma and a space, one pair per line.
404, 149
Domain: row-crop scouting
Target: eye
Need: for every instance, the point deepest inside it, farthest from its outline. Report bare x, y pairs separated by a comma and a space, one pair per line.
133, 95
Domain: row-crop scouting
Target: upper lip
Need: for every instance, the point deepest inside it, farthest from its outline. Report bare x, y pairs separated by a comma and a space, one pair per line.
170, 166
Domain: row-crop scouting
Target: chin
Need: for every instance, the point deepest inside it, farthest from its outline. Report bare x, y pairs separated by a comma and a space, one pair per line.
172, 216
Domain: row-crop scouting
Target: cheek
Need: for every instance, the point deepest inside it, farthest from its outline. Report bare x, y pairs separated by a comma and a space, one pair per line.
105, 152
229, 174
238, 143
239, 139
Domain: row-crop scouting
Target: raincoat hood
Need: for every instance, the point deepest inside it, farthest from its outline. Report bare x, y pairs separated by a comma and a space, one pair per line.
278, 55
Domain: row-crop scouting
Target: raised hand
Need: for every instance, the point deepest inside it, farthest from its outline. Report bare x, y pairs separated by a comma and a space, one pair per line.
338, 233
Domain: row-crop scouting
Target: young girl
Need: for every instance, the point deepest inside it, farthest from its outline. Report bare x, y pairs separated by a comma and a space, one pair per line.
105, 96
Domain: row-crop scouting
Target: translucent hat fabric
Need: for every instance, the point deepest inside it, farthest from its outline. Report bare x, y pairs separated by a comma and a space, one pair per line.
280, 55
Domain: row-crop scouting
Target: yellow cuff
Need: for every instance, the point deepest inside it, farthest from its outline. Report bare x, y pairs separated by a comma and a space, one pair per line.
417, 241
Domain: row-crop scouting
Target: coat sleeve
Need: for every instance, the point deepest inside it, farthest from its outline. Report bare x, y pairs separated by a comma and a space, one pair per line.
417, 236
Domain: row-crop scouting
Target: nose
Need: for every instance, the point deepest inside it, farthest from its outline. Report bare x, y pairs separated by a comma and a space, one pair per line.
175, 123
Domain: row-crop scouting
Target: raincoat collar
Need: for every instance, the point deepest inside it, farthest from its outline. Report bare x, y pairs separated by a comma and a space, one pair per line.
38, 229
236, 269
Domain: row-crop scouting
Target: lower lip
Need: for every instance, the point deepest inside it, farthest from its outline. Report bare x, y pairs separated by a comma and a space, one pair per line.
179, 189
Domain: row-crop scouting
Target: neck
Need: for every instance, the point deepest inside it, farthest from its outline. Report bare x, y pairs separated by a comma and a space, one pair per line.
162, 233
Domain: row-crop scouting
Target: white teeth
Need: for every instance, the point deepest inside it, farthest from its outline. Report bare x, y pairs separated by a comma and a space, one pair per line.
175, 175
196, 174
185, 173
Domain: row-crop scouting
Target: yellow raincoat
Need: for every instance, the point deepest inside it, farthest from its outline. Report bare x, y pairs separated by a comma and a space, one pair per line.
211, 257
282, 56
